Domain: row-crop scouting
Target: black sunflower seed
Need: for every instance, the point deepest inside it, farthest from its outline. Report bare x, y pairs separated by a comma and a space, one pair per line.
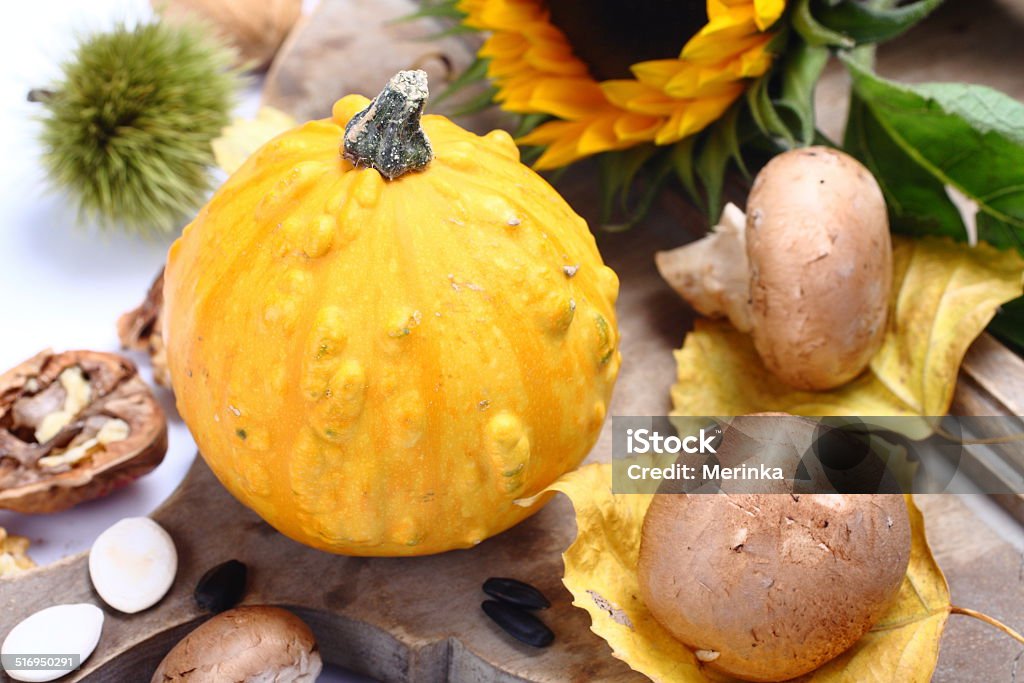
516, 593
518, 623
222, 587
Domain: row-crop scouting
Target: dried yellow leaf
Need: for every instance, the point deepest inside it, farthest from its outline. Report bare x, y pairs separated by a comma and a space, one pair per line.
943, 296
242, 137
600, 572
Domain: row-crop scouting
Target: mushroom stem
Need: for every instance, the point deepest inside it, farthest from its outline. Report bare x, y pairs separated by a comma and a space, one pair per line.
387, 135
713, 273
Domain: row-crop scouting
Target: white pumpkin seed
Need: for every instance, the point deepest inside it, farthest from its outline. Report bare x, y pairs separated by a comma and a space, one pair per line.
58, 630
132, 564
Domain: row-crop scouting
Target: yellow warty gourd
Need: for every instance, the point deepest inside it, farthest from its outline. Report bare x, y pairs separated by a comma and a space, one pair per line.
383, 366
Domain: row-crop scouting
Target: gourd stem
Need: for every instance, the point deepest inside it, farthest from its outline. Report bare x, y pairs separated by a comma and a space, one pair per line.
387, 135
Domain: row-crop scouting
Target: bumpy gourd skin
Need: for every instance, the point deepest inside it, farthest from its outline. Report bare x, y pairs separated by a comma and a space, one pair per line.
382, 367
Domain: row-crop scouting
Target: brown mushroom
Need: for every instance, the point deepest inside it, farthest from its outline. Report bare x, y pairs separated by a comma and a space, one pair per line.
142, 329
244, 644
74, 426
807, 271
769, 586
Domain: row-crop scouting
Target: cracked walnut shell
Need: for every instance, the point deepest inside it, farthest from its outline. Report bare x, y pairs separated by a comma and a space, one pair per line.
74, 426
13, 554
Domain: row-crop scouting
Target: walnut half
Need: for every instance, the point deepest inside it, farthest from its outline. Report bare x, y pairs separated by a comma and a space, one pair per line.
75, 426
14, 557
141, 329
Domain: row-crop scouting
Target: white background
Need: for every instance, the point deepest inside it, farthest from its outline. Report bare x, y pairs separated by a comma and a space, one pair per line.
62, 284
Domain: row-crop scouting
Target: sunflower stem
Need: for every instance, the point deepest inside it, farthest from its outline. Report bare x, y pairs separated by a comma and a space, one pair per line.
387, 135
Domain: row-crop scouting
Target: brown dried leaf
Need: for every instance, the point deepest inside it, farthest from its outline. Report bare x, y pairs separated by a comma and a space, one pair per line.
141, 329
255, 29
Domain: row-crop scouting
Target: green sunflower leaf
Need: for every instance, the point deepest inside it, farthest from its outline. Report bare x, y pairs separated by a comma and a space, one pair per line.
813, 31
633, 160
446, 9
454, 30
477, 103
920, 140
683, 163
766, 116
1008, 324
530, 153
612, 173
917, 201
528, 122
800, 72
474, 73
712, 162
864, 23
730, 131
619, 170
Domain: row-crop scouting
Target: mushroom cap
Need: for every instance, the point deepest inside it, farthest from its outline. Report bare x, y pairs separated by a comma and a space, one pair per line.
821, 266
776, 585
253, 643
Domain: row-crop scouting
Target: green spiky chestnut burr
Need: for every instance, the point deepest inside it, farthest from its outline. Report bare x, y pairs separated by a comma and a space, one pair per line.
127, 129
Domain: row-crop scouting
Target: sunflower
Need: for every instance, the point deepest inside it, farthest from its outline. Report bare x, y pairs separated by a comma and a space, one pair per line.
605, 87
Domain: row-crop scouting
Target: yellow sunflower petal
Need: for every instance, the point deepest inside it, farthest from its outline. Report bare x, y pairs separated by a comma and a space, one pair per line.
637, 127
657, 72
504, 46
767, 12
555, 59
516, 93
696, 80
543, 31
695, 115
565, 98
716, 8
598, 136
755, 61
499, 15
724, 30
562, 151
552, 131
699, 82
639, 98
710, 49
536, 71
